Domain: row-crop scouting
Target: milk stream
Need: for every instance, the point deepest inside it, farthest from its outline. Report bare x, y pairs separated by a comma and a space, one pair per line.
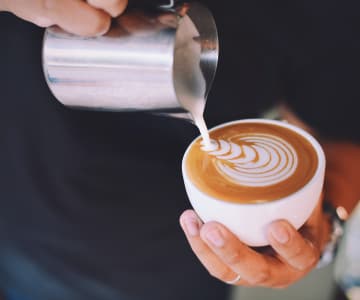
250, 160
200, 123
190, 83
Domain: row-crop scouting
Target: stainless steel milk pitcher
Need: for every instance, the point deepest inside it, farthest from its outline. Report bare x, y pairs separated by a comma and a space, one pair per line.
149, 60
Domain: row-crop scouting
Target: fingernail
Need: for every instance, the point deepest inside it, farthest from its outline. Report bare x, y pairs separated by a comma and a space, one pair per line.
280, 233
191, 226
215, 238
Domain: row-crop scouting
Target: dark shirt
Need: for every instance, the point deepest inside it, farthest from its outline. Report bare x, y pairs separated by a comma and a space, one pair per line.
89, 201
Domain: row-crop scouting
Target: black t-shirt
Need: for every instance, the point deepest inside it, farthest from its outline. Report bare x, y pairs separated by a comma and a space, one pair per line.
89, 201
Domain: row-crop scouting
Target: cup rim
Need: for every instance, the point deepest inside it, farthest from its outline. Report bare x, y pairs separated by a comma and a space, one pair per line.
317, 147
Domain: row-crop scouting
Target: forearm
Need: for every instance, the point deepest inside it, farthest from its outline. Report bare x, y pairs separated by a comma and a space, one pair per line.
342, 184
342, 180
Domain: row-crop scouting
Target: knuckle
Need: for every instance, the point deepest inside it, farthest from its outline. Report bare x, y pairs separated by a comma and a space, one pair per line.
260, 278
232, 258
118, 7
304, 260
42, 21
296, 253
48, 7
100, 25
201, 251
313, 261
114, 7
44, 12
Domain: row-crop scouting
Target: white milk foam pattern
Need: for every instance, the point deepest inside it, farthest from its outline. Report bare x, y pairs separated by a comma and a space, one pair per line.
253, 160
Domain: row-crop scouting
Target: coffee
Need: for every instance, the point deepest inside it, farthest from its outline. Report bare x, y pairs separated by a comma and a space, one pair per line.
252, 162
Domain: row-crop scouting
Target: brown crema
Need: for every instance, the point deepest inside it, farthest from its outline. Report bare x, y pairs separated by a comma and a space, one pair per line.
203, 168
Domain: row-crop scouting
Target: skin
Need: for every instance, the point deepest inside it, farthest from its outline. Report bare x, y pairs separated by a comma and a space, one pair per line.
86, 18
343, 172
292, 254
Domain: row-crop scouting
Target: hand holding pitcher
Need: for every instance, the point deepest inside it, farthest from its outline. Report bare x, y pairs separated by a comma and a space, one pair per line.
85, 18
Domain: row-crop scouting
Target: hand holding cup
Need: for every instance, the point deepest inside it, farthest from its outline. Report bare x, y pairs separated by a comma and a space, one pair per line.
266, 193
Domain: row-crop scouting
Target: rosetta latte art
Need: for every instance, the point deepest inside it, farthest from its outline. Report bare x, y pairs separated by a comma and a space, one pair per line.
254, 160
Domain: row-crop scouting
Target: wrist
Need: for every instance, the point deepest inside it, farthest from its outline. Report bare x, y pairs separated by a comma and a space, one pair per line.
334, 229
326, 230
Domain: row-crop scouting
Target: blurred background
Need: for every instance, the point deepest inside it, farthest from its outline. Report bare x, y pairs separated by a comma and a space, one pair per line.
319, 285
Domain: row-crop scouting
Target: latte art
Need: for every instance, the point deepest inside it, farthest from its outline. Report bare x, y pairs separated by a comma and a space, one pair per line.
255, 160
252, 173
251, 162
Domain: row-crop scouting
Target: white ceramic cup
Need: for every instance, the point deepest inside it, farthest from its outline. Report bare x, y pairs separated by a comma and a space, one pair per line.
249, 221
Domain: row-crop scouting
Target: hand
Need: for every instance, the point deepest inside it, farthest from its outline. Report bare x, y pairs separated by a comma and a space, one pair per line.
342, 186
86, 18
291, 256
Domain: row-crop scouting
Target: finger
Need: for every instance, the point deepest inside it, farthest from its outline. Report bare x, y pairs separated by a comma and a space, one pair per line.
253, 267
136, 21
191, 225
78, 17
112, 7
316, 228
293, 248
